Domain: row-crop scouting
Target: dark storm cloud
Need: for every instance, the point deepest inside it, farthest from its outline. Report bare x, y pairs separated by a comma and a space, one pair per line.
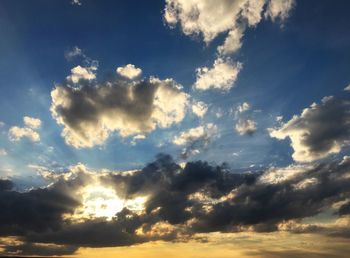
320, 130
6, 185
344, 209
37, 210
197, 198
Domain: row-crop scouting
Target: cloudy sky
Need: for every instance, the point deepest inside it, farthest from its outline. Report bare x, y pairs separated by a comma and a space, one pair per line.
209, 128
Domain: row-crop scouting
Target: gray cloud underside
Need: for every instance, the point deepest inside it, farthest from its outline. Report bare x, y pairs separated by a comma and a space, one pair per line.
320, 130
197, 198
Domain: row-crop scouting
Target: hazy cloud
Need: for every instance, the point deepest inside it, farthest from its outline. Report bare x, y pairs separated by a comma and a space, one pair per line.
196, 139
3, 152
74, 52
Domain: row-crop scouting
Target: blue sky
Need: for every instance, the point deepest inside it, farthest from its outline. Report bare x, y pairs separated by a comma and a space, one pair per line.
287, 65
210, 128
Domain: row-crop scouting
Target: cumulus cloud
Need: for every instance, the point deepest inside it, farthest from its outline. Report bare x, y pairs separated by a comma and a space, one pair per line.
347, 88
279, 9
32, 122
199, 108
195, 139
245, 127
320, 130
209, 19
222, 75
82, 73
129, 71
17, 133
185, 200
90, 113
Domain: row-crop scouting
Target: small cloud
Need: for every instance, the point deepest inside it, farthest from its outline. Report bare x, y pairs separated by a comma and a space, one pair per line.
279, 119
278, 9
74, 52
17, 133
32, 122
347, 88
76, 2
195, 139
199, 108
82, 73
245, 127
221, 76
3, 152
244, 107
129, 71
137, 138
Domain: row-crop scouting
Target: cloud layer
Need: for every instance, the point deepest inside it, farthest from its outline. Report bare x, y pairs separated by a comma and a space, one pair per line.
180, 202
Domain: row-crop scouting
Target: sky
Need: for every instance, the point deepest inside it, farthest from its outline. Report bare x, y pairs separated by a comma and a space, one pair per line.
149, 128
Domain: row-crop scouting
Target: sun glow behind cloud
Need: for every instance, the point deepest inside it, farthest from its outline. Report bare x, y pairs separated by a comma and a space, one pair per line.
100, 201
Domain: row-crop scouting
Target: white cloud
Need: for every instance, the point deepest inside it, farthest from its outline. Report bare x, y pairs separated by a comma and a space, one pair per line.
347, 88
221, 76
82, 73
129, 71
245, 127
76, 2
252, 11
279, 9
321, 129
199, 108
195, 139
90, 113
32, 122
17, 133
244, 107
232, 42
210, 18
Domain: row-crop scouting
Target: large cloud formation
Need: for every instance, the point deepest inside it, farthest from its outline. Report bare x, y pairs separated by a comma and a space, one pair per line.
320, 130
181, 201
90, 112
